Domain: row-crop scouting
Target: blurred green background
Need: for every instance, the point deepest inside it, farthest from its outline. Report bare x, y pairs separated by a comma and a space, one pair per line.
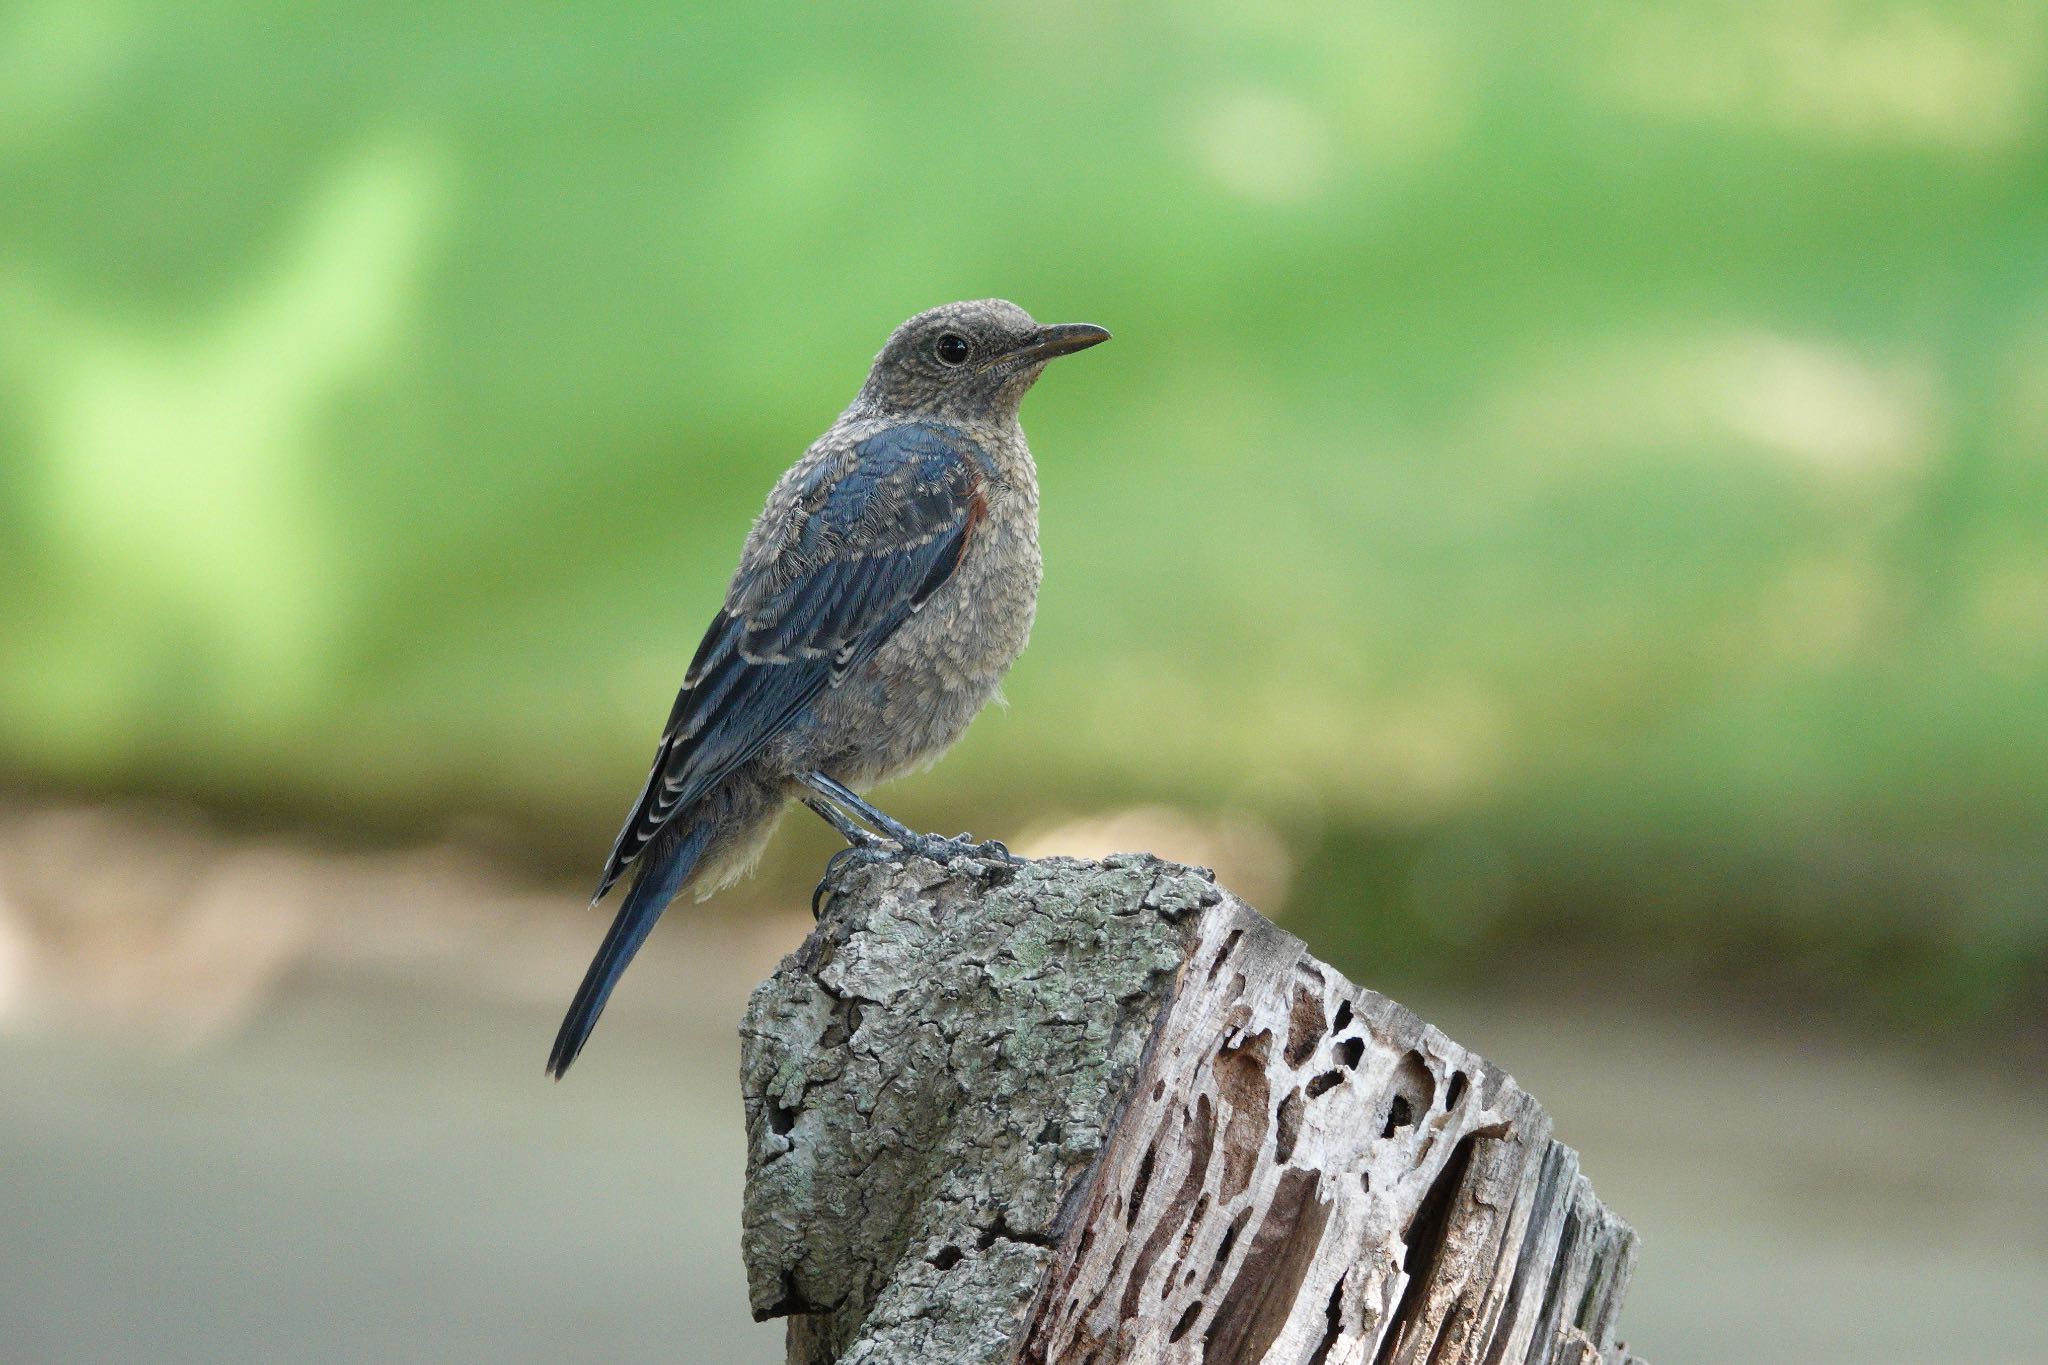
1567, 502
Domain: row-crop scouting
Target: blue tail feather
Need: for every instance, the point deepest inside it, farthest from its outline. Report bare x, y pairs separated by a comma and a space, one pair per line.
662, 873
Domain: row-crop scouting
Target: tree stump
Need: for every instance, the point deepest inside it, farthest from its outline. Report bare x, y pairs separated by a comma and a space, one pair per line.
1085, 1113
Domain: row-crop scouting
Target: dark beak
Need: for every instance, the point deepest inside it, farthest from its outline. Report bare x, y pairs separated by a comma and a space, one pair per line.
1062, 339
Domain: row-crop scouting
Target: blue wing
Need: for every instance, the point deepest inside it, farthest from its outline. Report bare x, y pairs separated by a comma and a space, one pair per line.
870, 542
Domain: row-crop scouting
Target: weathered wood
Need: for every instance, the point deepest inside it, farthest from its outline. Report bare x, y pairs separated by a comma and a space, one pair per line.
1105, 1112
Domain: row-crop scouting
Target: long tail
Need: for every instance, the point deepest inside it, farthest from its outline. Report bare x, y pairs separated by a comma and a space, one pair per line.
662, 873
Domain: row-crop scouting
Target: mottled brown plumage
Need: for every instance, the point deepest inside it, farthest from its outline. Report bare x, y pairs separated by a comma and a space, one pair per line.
885, 589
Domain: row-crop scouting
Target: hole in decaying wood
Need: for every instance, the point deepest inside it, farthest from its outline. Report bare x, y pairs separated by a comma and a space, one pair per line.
1187, 1320
1258, 1048
1414, 1091
1455, 1091
1138, 1185
945, 1258
1329, 1080
1350, 1051
1223, 1249
1288, 1127
1237, 985
1422, 1242
1333, 1322
1223, 953
1399, 1115
1343, 1019
1159, 1088
781, 1120
1304, 1025
1259, 1301
1239, 1078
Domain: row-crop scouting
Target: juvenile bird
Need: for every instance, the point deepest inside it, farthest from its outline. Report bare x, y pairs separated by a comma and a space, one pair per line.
883, 592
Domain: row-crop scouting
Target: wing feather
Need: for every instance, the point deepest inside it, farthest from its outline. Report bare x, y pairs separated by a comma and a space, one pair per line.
867, 546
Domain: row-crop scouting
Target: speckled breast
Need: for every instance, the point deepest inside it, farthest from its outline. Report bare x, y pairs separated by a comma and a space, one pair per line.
916, 697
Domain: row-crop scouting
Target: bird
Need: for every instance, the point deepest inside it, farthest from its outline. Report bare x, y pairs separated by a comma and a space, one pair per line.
886, 587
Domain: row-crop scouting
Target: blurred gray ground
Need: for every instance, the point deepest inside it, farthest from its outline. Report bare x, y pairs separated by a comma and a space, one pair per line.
360, 1161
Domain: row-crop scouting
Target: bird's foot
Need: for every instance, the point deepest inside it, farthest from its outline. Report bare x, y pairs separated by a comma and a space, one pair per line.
988, 855
833, 800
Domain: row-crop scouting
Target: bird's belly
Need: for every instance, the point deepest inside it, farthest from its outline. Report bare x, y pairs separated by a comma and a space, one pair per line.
916, 697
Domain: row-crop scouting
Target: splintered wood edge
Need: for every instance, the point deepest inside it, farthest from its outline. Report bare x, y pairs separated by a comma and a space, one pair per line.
1307, 1173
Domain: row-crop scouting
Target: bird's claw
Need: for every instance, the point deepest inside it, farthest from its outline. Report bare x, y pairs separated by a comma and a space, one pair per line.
865, 854
998, 852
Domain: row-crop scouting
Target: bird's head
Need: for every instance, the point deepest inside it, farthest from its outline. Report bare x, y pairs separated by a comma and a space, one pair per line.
968, 361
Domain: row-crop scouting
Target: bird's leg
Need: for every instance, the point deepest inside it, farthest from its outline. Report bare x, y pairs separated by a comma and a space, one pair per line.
841, 795
932, 846
861, 849
854, 835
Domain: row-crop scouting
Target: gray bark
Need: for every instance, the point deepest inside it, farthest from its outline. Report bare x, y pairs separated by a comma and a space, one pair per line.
1105, 1112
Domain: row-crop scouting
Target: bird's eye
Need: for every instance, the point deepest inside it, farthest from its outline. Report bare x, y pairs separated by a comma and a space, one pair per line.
951, 349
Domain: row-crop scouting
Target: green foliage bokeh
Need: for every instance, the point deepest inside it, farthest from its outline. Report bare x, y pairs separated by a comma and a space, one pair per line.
1576, 472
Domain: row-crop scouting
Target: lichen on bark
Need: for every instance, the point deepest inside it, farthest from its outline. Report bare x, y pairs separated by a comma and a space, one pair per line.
928, 1078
